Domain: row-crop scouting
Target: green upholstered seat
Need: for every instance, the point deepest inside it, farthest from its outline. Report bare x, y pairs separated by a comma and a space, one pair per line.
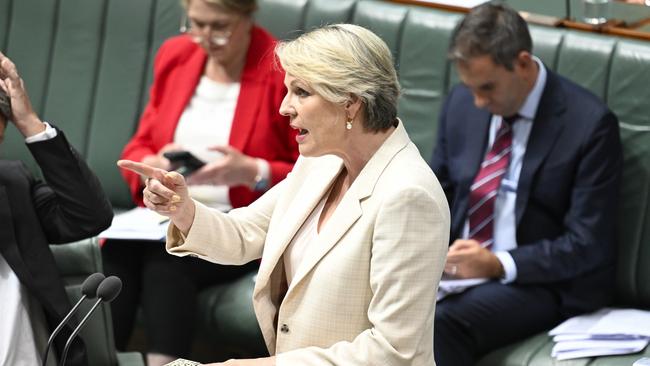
76, 261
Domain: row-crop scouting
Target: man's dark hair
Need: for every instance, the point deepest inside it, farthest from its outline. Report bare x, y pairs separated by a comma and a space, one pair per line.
492, 29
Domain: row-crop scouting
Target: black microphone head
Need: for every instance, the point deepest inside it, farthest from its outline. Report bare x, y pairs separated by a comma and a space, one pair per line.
109, 288
89, 287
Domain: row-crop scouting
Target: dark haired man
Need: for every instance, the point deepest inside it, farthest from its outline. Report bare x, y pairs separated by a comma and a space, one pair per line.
69, 207
530, 163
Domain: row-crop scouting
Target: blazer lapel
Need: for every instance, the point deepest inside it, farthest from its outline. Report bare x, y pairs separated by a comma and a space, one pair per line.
546, 127
305, 200
475, 143
253, 82
185, 82
246, 111
8, 242
349, 209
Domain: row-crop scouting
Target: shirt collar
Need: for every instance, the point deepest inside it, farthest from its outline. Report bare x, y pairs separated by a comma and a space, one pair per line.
529, 108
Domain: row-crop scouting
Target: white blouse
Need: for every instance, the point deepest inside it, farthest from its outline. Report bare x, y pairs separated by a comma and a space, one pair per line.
206, 122
21, 339
306, 235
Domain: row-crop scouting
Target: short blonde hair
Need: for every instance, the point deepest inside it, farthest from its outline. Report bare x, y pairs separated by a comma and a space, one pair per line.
243, 7
344, 60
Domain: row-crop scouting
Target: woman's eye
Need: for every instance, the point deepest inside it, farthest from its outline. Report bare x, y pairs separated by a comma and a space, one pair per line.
301, 92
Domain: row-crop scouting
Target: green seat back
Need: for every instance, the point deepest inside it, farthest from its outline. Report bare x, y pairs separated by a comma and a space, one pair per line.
76, 261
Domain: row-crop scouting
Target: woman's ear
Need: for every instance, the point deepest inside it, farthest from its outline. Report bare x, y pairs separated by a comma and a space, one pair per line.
353, 106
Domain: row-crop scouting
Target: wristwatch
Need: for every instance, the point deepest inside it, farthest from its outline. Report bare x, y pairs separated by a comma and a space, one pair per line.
261, 184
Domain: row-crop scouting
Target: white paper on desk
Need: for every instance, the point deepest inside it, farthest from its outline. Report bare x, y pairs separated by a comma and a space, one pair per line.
449, 286
638, 344
607, 321
593, 352
583, 337
624, 321
139, 223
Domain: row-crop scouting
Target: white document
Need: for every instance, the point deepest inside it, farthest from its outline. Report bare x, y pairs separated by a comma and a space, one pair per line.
139, 223
450, 286
607, 321
607, 331
594, 352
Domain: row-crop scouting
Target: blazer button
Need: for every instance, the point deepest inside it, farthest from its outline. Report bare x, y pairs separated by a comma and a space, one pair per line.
284, 328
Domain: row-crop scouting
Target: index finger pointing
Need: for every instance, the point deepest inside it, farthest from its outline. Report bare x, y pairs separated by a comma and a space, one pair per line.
140, 168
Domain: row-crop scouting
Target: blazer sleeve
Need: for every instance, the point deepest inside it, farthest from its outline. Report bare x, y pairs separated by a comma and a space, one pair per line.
234, 238
72, 204
589, 224
409, 247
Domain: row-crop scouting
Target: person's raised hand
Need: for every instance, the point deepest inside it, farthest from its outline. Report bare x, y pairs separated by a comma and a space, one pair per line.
233, 169
23, 114
165, 193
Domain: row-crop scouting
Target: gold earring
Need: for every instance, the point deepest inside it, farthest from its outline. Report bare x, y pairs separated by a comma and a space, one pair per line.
348, 124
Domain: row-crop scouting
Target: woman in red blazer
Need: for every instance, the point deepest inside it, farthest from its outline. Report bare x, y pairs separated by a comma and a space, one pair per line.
193, 103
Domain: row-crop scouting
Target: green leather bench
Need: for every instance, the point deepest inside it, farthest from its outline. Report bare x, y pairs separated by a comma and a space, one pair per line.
87, 64
77, 261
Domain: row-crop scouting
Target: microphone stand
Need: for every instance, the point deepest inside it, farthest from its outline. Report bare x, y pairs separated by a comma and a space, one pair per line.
60, 326
77, 330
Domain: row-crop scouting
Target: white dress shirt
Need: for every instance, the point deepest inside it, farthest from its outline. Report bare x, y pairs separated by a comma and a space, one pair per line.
504, 206
23, 333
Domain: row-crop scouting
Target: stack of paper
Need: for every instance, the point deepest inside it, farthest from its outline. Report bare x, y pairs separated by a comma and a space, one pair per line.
139, 223
450, 285
605, 332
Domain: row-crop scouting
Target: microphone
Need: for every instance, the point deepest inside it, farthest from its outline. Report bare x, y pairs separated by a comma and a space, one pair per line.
107, 291
88, 291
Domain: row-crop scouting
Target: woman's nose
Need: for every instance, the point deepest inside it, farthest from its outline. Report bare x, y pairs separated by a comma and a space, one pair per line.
284, 106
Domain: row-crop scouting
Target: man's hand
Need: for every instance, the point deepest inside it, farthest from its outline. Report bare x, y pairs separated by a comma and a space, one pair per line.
23, 114
467, 259
165, 193
233, 169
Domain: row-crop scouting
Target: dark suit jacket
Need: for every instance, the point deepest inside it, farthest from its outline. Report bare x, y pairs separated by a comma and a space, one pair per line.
33, 214
567, 194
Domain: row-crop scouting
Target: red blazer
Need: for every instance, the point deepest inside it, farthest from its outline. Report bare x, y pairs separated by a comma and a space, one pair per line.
258, 129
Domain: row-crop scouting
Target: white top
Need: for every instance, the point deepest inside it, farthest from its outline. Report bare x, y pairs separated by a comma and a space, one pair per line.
206, 122
23, 333
306, 235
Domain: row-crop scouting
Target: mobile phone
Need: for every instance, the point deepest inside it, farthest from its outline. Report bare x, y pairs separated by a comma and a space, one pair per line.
5, 104
184, 162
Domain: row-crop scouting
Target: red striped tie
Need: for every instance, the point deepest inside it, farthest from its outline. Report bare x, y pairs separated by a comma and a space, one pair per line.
483, 191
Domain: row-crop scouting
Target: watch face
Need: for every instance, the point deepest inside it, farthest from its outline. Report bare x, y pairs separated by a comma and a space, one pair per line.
261, 185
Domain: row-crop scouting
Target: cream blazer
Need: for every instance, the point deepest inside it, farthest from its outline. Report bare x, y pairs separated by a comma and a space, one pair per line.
365, 291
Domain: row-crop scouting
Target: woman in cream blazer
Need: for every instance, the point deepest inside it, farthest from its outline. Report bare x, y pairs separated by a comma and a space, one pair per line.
354, 240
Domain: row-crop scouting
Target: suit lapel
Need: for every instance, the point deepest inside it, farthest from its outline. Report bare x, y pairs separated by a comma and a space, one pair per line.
349, 209
246, 111
475, 143
543, 135
186, 86
305, 200
8, 242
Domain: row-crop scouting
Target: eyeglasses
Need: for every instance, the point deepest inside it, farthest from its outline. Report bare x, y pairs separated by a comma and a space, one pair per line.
219, 32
